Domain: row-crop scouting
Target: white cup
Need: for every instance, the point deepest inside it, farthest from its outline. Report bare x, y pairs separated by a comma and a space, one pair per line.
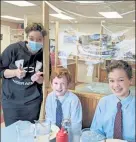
91, 136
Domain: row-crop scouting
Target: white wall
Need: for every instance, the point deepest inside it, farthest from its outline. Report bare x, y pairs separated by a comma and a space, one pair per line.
86, 28
5, 30
11, 24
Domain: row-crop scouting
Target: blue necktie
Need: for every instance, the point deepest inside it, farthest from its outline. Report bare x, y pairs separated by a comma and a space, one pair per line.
59, 114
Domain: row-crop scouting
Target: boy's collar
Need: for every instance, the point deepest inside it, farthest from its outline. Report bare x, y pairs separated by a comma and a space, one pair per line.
125, 102
64, 97
121, 99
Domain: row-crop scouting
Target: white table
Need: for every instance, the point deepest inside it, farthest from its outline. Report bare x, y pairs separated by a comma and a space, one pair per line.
9, 134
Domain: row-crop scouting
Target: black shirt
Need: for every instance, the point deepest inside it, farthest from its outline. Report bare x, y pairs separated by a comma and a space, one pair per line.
20, 91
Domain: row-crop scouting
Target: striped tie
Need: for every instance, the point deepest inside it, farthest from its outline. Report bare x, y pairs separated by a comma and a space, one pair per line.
118, 122
59, 114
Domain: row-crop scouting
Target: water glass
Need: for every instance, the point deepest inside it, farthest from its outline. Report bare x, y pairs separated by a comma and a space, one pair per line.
66, 124
75, 132
91, 136
42, 130
25, 131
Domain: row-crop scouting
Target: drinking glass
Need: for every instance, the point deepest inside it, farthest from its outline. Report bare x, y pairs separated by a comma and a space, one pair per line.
75, 132
42, 130
25, 131
91, 136
66, 124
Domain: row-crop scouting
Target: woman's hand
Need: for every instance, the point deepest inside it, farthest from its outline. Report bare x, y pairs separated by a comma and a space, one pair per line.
37, 77
20, 73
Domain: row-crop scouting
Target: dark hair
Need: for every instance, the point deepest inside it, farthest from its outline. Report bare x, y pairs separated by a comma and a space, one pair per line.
35, 27
61, 73
120, 64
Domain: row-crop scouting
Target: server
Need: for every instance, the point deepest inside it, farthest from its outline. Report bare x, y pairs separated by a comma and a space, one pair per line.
22, 66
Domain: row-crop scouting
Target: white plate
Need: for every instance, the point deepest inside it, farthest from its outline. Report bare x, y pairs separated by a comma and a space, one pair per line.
44, 138
115, 140
55, 130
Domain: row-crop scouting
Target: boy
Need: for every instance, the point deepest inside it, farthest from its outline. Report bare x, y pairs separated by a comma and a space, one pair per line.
110, 121
60, 103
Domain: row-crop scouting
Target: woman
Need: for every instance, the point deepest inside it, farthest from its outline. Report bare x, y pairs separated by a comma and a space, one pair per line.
22, 77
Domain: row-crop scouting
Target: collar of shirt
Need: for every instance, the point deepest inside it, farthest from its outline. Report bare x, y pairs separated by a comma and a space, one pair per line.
126, 101
63, 98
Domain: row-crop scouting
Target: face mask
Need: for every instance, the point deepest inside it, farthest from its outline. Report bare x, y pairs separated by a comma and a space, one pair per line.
35, 46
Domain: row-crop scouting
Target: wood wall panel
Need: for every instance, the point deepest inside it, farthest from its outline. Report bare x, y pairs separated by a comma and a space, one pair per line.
89, 102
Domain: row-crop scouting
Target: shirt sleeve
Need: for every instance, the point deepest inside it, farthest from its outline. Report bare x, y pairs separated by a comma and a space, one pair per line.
76, 111
48, 110
98, 119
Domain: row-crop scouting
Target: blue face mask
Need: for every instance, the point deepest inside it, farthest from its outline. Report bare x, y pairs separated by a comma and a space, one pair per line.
35, 46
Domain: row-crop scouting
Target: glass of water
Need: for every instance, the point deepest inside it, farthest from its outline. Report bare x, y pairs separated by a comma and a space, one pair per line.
76, 131
42, 130
25, 131
91, 136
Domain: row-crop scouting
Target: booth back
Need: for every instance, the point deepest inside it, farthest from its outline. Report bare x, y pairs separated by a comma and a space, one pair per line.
89, 102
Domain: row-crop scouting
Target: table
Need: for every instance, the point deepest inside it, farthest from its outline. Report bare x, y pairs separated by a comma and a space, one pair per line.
9, 134
98, 88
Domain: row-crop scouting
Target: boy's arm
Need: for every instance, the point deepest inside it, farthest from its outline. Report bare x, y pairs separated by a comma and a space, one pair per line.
48, 110
97, 123
76, 111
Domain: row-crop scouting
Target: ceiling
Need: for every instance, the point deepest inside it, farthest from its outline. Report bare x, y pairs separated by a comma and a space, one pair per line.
83, 13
